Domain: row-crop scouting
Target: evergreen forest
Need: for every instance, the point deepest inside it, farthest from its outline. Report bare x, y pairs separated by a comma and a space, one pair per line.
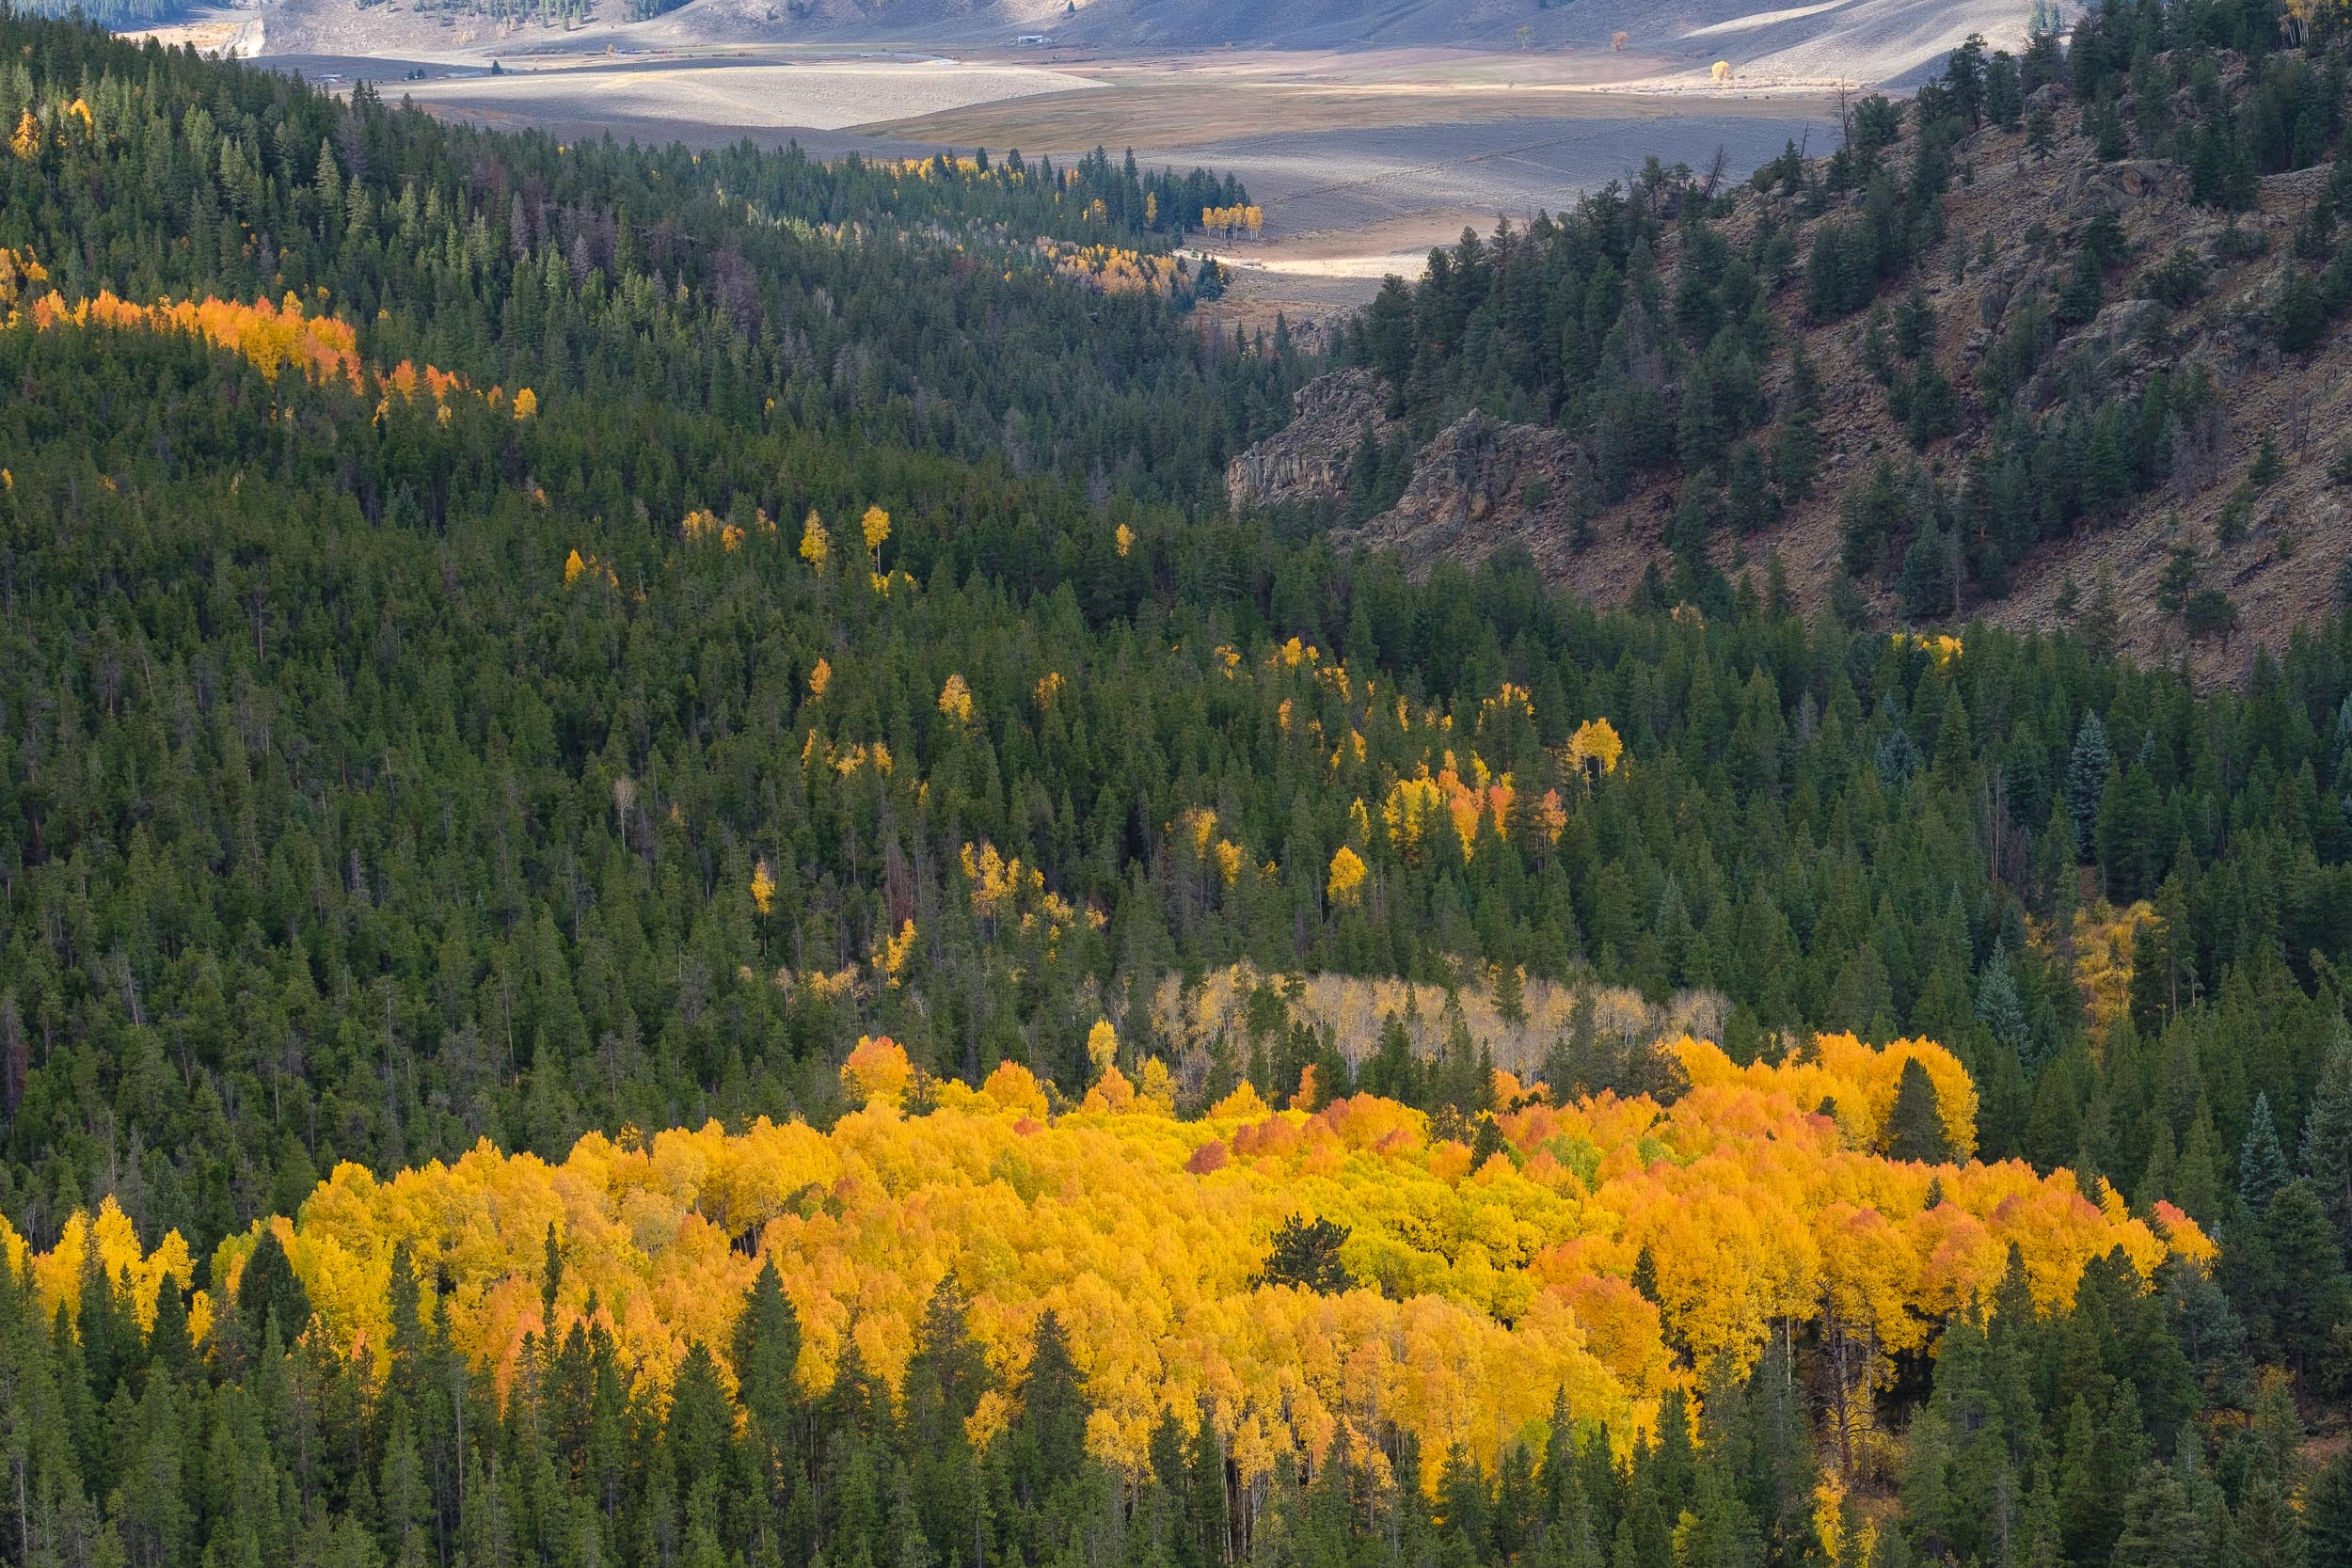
675, 892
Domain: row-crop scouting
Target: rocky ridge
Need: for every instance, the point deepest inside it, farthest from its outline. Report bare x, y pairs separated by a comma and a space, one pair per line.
2013, 223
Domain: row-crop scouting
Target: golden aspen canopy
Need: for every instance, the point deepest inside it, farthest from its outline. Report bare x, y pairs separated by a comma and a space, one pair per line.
1478, 1289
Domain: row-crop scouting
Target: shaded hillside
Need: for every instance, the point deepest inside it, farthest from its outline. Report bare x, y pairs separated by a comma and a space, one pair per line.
2020, 364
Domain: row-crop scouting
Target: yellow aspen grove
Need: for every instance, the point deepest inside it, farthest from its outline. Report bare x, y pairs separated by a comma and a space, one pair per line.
1595, 742
1737, 1205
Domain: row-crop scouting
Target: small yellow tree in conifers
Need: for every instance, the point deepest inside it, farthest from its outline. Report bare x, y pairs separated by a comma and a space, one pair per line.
573, 566
820, 679
1101, 1048
763, 888
1347, 878
816, 544
875, 525
1595, 741
955, 700
526, 403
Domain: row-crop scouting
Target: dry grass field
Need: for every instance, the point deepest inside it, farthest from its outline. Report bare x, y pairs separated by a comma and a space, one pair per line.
750, 92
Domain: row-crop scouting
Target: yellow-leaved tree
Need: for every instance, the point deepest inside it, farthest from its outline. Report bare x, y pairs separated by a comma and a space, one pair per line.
955, 700
1346, 886
1595, 744
1102, 1047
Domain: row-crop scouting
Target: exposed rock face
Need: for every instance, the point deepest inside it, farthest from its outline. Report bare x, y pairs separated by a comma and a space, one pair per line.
1308, 459
1479, 485
2113, 187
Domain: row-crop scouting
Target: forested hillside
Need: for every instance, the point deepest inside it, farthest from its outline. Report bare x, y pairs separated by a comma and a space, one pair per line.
516, 650
2055, 342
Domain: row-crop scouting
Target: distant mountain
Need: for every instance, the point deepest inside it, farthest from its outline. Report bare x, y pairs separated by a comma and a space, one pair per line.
1875, 42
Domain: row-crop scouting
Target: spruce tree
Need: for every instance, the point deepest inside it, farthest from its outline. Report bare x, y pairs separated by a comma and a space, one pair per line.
2261, 1165
2327, 1510
2327, 1132
2306, 1267
1915, 1127
2087, 779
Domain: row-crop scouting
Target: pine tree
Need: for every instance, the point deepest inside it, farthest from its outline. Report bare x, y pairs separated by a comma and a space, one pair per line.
2327, 1132
2087, 779
267, 1291
1915, 1127
2160, 1525
2308, 1269
2265, 1531
766, 1354
2261, 1165
1997, 1005
1305, 1253
2328, 1511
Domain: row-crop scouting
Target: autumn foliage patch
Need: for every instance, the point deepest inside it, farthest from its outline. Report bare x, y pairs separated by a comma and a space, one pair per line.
1609, 1248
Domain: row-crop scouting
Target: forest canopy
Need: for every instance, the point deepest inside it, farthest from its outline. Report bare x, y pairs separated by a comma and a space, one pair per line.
1478, 1289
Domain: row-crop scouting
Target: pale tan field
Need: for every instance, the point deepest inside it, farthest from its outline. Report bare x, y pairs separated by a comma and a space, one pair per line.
1216, 98
814, 94
231, 34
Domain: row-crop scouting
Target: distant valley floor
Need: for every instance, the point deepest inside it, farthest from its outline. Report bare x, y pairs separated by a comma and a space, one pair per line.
1361, 161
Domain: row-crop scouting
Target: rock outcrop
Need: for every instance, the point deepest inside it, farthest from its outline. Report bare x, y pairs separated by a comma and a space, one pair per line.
1308, 459
1479, 485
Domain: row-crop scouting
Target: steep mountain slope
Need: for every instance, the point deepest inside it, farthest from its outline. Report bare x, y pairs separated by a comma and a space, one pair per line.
2155, 330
